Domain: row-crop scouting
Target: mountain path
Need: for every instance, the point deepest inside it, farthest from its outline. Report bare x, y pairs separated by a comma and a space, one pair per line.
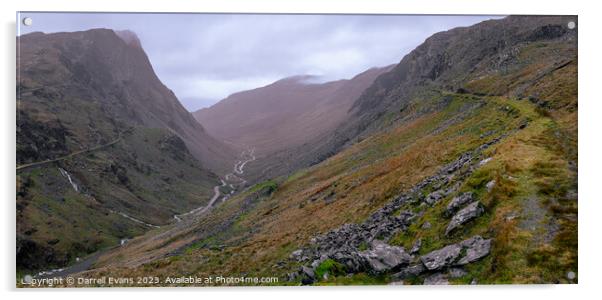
72, 154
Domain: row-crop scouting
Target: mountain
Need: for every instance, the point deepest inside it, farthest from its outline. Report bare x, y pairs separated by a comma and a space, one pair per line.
497, 57
459, 165
285, 114
111, 70
105, 151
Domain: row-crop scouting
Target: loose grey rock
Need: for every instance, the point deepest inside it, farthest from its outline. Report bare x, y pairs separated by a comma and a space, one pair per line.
436, 279
426, 225
490, 185
352, 261
484, 161
316, 263
441, 258
462, 253
309, 272
342, 244
434, 197
416, 246
296, 254
383, 257
476, 248
466, 214
457, 202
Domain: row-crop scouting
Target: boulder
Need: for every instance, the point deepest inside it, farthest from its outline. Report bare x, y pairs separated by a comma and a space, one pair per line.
457, 202
466, 214
476, 248
462, 253
383, 257
439, 259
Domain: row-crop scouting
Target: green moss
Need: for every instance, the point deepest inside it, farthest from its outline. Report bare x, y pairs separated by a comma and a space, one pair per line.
330, 267
271, 185
363, 246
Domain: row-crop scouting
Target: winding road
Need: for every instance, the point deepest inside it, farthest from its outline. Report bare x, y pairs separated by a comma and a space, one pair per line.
202, 209
246, 157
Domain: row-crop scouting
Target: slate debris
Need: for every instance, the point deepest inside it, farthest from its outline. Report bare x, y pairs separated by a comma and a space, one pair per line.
466, 214
342, 244
457, 202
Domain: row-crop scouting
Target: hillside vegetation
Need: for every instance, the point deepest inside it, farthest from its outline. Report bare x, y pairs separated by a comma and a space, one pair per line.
457, 166
105, 151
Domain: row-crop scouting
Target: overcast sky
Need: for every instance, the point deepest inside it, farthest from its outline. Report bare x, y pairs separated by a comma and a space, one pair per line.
204, 58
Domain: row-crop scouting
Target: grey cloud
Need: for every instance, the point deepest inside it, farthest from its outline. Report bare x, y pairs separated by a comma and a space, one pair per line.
206, 57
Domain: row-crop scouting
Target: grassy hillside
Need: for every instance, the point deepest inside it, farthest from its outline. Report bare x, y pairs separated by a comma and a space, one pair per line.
533, 197
458, 166
148, 175
105, 151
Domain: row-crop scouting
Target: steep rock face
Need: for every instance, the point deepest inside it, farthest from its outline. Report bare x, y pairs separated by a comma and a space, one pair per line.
454, 58
110, 70
514, 57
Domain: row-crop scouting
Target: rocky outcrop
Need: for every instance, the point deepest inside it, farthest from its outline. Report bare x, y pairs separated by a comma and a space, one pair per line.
383, 257
343, 244
462, 253
457, 202
441, 258
476, 248
465, 215
434, 197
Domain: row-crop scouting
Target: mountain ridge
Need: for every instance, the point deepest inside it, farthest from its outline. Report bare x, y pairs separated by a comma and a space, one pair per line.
458, 167
105, 151
82, 49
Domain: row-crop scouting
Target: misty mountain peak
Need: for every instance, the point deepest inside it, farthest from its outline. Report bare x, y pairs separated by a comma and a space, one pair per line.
129, 37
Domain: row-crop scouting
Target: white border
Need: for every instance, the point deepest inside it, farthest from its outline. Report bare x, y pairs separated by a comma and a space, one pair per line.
590, 115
